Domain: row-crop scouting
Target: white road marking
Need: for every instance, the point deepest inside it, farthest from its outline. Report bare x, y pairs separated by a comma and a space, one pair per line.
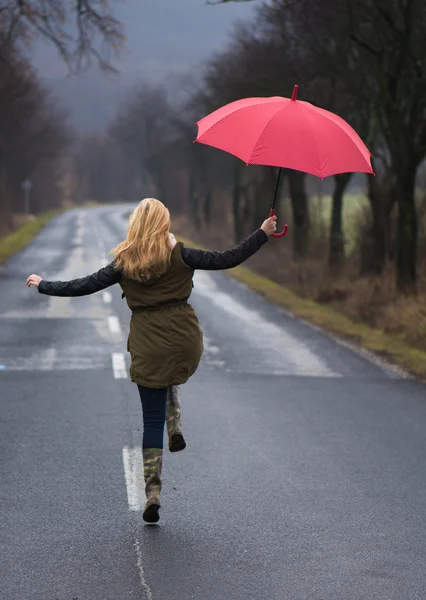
133, 473
65, 357
47, 359
78, 238
216, 363
78, 264
119, 366
210, 348
114, 324
211, 354
106, 297
145, 587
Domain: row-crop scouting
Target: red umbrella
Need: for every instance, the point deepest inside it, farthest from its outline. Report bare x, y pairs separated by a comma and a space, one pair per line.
286, 133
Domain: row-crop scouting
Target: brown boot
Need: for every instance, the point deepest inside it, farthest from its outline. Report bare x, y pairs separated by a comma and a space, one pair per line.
152, 463
173, 420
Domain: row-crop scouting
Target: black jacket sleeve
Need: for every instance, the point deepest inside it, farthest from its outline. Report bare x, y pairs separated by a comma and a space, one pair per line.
216, 261
84, 285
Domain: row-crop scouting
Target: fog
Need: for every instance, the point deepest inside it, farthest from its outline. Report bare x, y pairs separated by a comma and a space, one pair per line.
163, 38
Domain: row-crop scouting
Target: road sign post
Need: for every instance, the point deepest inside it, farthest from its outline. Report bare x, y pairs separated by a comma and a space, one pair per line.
27, 186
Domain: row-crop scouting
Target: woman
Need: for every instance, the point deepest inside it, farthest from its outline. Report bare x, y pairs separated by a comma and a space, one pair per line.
165, 340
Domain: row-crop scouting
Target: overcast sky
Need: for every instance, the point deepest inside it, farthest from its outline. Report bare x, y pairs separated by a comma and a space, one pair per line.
163, 37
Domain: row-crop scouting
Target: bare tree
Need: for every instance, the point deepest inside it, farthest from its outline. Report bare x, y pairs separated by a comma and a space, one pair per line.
82, 31
103, 172
146, 130
391, 38
33, 135
384, 40
255, 63
278, 2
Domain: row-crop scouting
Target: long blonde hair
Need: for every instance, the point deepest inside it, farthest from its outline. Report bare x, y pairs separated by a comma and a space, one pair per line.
146, 251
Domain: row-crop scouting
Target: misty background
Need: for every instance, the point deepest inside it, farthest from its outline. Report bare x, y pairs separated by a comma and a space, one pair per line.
165, 40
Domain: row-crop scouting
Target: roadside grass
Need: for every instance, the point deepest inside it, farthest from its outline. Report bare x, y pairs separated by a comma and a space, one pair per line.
390, 347
30, 227
21, 237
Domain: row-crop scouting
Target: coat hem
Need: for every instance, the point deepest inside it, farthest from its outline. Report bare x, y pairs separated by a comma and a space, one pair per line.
157, 384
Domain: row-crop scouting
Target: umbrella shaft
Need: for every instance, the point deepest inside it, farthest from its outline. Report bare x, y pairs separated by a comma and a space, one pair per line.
276, 189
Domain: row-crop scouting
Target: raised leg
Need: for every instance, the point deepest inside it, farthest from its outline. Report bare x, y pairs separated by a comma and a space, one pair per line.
174, 420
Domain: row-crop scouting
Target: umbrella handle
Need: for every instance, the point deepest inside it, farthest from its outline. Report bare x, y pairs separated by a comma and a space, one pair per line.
283, 232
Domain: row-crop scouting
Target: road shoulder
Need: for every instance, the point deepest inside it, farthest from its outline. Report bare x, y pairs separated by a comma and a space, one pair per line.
387, 350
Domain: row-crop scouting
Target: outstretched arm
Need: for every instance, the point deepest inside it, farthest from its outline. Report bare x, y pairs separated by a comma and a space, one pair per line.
216, 261
83, 286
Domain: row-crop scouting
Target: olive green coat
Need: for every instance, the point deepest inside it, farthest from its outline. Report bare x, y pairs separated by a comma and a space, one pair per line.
165, 340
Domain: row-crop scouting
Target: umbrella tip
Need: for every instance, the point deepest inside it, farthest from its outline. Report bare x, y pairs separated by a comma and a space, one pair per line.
294, 96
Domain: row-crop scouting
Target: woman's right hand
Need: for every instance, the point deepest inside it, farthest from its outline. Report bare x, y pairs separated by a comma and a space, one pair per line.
270, 225
33, 280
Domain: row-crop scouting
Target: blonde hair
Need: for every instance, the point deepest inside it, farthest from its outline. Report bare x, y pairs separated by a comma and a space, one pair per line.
146, 251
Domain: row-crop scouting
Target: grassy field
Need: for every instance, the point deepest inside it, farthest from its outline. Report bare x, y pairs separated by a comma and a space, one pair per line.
353, 207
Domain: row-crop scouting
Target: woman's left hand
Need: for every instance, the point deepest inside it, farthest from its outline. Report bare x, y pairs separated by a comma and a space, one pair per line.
33, 280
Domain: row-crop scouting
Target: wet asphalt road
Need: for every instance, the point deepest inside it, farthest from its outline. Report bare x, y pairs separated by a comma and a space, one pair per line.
304, 475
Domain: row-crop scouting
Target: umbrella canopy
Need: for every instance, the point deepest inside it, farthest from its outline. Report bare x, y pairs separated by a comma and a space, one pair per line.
288, 133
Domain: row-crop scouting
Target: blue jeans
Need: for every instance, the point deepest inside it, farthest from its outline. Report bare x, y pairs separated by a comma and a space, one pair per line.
154, 415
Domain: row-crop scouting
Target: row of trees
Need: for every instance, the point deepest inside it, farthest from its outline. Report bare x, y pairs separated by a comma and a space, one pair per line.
366, 60
363, 59
33, 138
